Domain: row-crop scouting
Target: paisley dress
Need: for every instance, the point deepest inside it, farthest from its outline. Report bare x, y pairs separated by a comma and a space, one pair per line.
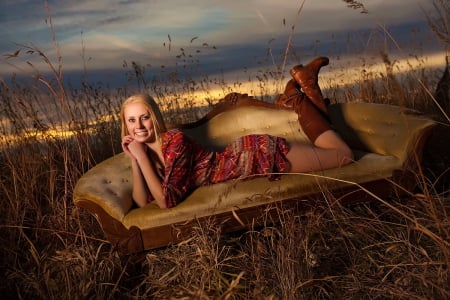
189, 164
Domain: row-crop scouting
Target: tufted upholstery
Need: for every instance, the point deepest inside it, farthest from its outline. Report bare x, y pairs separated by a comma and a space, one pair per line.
109, 184
382, 136
379, 128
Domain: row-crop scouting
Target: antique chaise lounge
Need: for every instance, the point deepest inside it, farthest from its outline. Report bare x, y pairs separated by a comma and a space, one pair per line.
387, 142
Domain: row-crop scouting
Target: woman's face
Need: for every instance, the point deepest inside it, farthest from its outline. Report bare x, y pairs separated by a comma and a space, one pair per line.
139, 122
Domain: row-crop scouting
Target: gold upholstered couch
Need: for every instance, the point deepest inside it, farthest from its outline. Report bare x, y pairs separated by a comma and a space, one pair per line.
387, 142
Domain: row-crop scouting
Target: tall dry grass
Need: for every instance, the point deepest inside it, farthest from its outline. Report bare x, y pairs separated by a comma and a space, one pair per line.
51, 134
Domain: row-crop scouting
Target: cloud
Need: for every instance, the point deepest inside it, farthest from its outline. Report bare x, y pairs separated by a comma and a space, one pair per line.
112, 31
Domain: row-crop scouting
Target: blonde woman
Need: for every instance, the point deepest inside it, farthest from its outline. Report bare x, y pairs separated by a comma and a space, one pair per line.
168, 165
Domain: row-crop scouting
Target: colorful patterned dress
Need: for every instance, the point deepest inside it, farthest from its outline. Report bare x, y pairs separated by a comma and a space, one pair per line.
189, 165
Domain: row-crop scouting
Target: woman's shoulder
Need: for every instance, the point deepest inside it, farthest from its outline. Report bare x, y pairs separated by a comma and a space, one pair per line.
175, 138
174, 134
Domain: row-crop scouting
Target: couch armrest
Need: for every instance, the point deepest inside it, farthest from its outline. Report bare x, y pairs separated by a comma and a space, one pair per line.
382, 129
108, 185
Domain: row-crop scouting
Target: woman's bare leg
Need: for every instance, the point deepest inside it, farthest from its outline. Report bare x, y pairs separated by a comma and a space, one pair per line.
329, 151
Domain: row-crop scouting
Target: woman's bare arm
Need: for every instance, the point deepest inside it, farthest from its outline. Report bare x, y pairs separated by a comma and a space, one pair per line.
145, 180
151, 179
140, 191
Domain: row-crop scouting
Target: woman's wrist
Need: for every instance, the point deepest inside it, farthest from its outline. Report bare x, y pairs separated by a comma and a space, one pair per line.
138, 159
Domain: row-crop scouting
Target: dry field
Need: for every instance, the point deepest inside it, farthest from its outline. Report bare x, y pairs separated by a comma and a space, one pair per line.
52, 134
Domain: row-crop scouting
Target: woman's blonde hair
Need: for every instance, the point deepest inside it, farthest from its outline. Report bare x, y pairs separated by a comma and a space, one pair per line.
153, 108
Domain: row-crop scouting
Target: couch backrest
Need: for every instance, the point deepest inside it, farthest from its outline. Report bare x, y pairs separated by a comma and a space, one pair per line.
380, 128
226, 126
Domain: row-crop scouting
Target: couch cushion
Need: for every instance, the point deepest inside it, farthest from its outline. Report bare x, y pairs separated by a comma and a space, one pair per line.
223, 197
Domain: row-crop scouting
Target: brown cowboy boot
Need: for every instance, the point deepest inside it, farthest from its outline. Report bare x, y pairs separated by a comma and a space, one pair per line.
311, 120
286, 99
307, 78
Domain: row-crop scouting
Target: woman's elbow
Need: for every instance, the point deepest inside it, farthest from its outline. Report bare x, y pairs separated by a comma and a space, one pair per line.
162, 204
140, 200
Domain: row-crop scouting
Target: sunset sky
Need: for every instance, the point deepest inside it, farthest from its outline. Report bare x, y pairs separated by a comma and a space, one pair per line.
223, 37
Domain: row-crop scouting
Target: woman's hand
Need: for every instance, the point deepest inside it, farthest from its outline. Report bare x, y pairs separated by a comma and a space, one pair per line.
126, 141
137, 150
132, 148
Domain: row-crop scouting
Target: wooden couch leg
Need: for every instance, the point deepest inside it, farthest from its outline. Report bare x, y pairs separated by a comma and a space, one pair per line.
124, 240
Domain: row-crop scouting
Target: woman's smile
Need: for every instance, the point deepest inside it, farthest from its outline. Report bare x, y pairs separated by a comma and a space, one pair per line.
140, 132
